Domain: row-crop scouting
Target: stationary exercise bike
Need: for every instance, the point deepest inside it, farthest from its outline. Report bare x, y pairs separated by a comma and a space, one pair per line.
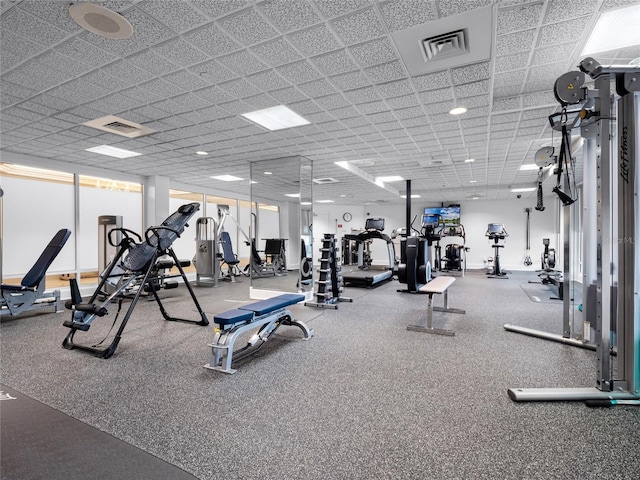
497, 232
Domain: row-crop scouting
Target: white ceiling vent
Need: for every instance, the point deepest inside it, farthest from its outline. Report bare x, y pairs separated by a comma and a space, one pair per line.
119, 126
446, 43
324, 181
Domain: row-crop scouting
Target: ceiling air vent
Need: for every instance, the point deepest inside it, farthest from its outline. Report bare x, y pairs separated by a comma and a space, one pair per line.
119, 126
444, 46
324, 181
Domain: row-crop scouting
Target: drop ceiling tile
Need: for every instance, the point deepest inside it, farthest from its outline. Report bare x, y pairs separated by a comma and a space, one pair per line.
288, 95
516, 42
332, 101
509, 79
361, 95
375, 52
317, 88
555, 53
31, 27
471, 73
473, 102
547, 73
537, 99
178, 16
350, 81
289, 15
354, 122
448, 8
180, 52
319, 118
212, 40
505, 118
213, 72
219, 9
411, 115
331, 8
56, 13
403, 102
213, 94
267, 80
508, 91
383, 117
358, 27
17, 45
395, 88
508, 103
248, 26
402, 14
518, 18
236, 107
315, 40
471, 89
161, 88
569, 9
371, 107
563, 32
386, 72
432, 81
434, 96
186, 80
334, 62
277, 52
304, 107
299, 72
84, 52
243, 62
477, 112
345, 112
8, 60
511, 62
239, 88
36, 76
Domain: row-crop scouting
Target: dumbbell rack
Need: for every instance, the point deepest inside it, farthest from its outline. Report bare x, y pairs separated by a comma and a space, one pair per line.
330, 283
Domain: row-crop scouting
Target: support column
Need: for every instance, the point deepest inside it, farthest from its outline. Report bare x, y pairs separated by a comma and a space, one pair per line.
156, 200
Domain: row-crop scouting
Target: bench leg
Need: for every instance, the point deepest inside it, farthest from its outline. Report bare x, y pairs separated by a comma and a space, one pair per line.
446, 306
429, 328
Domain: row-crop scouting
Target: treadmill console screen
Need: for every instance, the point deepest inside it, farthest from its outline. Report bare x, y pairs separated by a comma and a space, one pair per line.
430, 220
374, 224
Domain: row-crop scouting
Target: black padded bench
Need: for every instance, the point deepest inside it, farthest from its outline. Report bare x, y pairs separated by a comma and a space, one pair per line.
266, 315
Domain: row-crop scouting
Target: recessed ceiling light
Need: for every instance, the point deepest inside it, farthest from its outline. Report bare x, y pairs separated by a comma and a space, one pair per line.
276, 118
113, 151
457, 111
472, 181
391, 178
227, 178
614, 30
268, 173
306, 203
528, 189
475, 198
252, 182
343, 195
529, 166
202, 152
325, 201
469, 160
292, 195
412, 196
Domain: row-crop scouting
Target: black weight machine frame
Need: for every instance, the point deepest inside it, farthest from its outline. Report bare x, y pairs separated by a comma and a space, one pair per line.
496, 232
133, 264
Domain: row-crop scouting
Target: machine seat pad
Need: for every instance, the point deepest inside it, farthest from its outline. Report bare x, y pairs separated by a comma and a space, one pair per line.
437, 285
232, 316
271, 304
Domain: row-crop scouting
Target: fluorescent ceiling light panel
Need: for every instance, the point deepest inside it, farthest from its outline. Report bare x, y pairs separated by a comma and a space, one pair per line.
325, 201
292, 195
202, 152
528, 189
276, 118
227, 178
469, 160
392, 178
412, 196
529, 166
306, 203
458, 111
614, 30
113, 151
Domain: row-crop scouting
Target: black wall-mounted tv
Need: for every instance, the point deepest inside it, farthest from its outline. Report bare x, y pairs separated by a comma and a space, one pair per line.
450, 215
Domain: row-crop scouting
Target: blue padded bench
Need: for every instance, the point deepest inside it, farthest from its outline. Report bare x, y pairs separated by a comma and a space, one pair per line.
266, 315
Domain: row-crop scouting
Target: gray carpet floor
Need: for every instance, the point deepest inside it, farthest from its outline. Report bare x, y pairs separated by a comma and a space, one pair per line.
363, 399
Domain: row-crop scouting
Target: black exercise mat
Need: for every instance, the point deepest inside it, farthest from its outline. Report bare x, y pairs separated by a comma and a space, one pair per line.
39, 442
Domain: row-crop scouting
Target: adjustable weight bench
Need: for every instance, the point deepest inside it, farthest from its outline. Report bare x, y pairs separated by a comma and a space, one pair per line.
439, 285
30, 294
266, 315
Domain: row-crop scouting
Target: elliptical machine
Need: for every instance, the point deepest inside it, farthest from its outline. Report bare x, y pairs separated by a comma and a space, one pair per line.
497, 232
415, 270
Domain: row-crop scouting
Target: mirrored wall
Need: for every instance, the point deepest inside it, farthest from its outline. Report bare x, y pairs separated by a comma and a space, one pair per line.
281, 226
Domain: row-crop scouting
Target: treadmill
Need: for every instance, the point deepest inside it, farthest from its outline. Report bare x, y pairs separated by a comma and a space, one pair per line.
367, 275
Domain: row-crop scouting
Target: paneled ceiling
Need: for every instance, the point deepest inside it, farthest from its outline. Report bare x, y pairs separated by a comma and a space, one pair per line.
192, 67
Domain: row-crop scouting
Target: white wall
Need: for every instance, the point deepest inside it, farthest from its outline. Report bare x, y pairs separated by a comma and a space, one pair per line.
475, 216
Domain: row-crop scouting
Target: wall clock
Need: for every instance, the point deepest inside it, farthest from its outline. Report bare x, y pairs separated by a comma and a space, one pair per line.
347, 217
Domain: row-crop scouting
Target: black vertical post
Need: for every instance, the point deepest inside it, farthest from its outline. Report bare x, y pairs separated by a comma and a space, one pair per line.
408, 203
